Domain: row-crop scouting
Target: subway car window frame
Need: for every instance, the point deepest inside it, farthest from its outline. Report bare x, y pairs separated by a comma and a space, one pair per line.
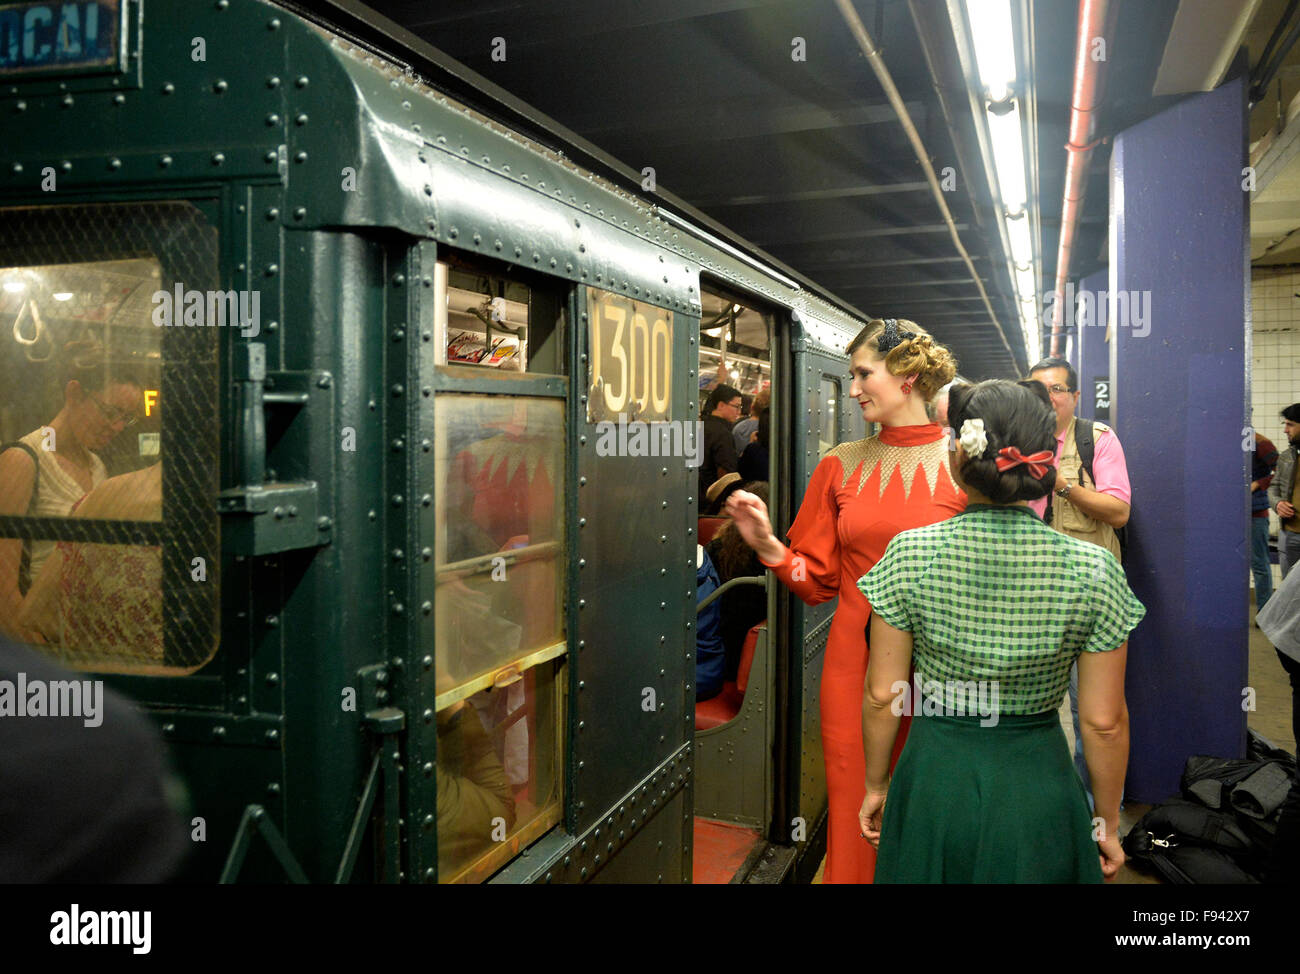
167, 231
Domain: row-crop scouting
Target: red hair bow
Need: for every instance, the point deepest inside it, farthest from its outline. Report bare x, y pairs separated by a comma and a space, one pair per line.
1038, 463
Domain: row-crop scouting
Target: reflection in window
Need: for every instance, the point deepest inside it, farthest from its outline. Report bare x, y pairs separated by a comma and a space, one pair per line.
498, 627
498, 774
828, 415
500, 479
84, 546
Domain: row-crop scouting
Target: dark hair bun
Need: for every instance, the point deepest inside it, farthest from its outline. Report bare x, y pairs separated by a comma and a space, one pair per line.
1013, 415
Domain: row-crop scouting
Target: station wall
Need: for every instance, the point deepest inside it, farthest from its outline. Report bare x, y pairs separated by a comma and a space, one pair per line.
1275, 377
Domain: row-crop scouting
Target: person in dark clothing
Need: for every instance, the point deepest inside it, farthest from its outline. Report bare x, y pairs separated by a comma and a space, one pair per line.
1263, 463
710, 661
721, 410
745, 606
83, 797
754, 461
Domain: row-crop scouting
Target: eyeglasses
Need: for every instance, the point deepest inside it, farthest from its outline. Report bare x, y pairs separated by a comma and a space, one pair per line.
1059, 390
112, 413
736, 405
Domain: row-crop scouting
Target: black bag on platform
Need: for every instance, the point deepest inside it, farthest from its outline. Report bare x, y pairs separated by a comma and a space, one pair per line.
1224, 828
1188, 843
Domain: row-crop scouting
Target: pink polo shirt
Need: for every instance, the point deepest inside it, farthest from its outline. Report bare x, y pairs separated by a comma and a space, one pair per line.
1107, 464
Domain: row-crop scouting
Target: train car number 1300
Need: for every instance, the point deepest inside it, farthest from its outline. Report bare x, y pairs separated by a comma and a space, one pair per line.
631, 351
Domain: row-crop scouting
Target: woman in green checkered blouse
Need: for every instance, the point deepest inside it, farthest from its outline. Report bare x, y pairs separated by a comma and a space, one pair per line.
994, 607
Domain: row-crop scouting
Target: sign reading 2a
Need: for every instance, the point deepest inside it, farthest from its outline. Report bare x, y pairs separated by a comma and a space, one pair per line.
631, 354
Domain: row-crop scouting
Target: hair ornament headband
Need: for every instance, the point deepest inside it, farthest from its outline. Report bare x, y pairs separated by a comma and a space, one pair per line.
891, 337
1038, 463
973, 438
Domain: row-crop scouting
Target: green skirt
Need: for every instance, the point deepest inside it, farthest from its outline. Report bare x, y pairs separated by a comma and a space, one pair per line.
999, 804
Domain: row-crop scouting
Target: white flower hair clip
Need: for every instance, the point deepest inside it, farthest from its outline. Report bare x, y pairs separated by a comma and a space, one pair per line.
973, 438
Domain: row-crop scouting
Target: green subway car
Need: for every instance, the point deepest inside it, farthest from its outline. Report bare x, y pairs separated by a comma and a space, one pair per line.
349, 350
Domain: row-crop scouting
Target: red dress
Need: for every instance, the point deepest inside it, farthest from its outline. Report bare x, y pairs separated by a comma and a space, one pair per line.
860, 496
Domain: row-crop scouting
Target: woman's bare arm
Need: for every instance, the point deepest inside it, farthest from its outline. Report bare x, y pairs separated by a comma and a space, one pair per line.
1103, 723
17, 477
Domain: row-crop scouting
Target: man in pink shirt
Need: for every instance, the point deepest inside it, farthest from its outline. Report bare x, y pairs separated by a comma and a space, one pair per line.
1082, 507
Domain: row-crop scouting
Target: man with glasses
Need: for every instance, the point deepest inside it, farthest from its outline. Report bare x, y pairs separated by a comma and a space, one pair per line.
721, 411
1086, 504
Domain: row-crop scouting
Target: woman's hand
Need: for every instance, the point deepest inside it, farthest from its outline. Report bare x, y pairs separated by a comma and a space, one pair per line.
1112, 856
749, 514
871, 815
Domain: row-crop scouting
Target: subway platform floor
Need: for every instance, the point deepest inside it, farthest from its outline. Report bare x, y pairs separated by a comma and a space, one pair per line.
1271, 720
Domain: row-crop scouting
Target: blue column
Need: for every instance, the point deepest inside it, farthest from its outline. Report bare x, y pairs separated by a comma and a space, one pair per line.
1178, 226
1092, 359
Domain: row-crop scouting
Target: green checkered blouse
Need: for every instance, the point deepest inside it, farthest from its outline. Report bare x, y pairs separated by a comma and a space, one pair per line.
996, 595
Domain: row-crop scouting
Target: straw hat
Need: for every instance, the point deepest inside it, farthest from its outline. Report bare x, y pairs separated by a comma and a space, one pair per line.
719, 485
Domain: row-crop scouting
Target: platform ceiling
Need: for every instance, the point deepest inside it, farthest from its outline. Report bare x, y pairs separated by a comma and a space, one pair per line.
806, 159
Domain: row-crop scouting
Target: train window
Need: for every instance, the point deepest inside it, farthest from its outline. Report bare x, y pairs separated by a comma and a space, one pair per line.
489, 320
109, 554
735, 346
828, 415
498, 626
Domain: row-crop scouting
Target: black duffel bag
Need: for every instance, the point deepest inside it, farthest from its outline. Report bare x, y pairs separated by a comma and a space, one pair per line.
1188, 843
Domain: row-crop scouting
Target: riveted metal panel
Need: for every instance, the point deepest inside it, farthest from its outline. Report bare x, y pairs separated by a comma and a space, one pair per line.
657, 853
734, 783
563, 858
633, 699
812, 774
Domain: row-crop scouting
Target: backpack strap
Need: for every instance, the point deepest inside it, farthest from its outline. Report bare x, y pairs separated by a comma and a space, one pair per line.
25, 564
1085, 442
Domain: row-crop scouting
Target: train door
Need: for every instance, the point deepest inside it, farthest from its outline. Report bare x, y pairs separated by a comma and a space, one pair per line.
737, 670
493, 415
821, 415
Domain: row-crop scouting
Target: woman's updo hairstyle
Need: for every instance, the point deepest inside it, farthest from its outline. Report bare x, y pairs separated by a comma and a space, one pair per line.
908, 349
1013, 415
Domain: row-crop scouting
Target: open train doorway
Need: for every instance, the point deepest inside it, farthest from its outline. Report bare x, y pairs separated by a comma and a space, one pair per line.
736, 665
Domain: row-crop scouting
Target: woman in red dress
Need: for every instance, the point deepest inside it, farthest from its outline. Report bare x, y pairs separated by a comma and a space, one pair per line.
860, 496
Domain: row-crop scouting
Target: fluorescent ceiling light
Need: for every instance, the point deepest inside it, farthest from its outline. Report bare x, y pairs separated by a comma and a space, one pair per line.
1022, 248
995, 53
1027, 285
13, 287
62, 295
1009, 157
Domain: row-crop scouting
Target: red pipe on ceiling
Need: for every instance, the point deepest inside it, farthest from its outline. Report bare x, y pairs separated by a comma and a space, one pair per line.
1087, 85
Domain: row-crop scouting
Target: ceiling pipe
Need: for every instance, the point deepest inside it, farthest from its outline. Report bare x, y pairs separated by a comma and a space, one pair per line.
1087, 85
877, 63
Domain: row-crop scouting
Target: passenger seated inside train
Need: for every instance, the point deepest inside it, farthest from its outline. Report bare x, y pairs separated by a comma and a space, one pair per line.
710, 658
744, 607
45, 472
104, 598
